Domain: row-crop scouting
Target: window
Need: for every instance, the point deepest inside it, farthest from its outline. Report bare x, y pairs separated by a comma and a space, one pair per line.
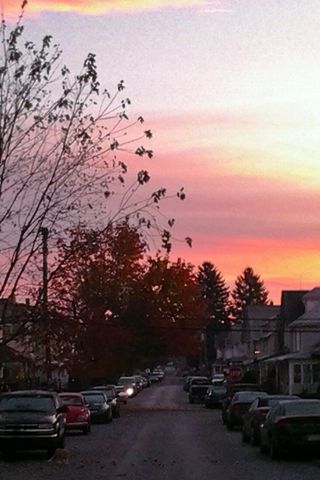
316, 373
306, 373
297, 373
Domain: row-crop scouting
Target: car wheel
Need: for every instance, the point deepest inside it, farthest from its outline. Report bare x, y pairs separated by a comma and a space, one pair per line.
245, 437
9, 454
263, 448
51, 451
254, 439
109, 417
275, 451
229, 425
87, 429
190, 400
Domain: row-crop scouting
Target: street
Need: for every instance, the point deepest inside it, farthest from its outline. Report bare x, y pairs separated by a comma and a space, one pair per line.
160, 436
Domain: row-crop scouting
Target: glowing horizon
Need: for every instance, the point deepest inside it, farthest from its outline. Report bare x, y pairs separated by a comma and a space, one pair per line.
105, 7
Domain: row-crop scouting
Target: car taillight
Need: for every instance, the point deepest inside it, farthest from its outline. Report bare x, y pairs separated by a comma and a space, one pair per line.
236, 406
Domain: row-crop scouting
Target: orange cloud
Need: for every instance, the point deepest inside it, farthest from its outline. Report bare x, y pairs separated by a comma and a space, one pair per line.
99, 7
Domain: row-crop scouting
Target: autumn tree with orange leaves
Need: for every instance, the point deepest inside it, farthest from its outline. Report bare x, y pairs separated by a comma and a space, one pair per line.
124, 309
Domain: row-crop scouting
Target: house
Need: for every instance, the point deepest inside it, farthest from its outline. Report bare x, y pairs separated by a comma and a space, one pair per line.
260, 330
297, 368
15, 363
230, 347
23, 356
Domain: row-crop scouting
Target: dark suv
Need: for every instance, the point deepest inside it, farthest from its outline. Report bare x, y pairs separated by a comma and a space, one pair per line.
31, 420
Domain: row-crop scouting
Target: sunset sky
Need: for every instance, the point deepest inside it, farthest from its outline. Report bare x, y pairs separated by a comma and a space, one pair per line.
231, 90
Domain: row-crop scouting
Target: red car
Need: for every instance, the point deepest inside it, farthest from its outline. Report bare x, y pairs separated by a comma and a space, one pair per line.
78, 416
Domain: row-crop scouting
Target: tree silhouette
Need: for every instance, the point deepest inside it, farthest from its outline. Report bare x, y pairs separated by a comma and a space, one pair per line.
249, 289
216, 296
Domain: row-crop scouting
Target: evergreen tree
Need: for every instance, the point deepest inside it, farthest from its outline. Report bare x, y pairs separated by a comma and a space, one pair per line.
215, 293
216, 296
249, 290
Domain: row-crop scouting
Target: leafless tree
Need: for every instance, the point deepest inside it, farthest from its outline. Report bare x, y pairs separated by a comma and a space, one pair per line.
60, 140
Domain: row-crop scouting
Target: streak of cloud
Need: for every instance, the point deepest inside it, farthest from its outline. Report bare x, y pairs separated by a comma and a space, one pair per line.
101, 7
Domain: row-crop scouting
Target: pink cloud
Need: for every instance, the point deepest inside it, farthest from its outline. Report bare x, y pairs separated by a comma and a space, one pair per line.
100, 7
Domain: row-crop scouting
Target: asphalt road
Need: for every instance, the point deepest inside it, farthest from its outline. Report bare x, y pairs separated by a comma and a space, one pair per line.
161, 436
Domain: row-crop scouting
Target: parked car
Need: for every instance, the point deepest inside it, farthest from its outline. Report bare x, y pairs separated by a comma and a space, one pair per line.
232, 388
214, 396
78, 416
98, 405
139, 382
198, 388
239, 405
146, 378
122, 393
256, 414
289, 425
160, 373
144, 381
112, 397
31, 420
154, 377
130, 383
188, 381
218, 379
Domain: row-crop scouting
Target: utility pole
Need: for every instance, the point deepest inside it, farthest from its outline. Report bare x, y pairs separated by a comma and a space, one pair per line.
45, 234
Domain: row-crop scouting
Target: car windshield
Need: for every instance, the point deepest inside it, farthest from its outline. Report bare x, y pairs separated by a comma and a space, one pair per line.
125, 380
302, 408
69, 400
27, 403
94, 398
246, 397
272, 401
200, 381
217, 381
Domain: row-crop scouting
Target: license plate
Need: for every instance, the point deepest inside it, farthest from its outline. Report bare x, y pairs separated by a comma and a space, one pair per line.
315, 437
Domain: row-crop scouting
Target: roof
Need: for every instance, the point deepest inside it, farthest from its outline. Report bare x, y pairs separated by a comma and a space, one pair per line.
289, 356
262, 312
30, 393
314, 294
13, 312
70, 394
306, 320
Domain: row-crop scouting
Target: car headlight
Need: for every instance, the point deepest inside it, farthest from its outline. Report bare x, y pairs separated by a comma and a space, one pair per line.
130, 391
